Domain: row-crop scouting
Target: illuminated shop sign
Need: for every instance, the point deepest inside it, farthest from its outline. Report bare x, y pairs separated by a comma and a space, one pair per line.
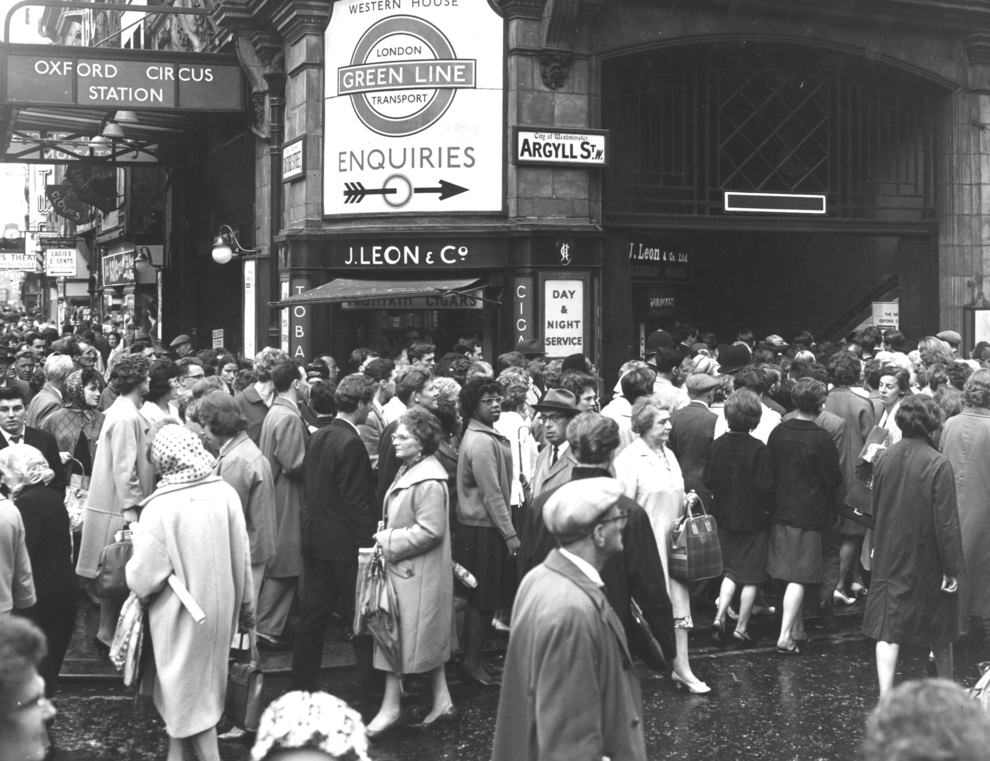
60, 76
413, 107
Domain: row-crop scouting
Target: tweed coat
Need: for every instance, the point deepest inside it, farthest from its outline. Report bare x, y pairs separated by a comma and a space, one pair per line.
283, 442
692, 431
916, 541
122, 477
177, 525
966, 442
242, 465
569, 690
416, 545
547, 477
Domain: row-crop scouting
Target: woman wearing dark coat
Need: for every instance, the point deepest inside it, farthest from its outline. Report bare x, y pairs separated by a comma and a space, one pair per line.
740, 478
26, 473
917, 553
807, 479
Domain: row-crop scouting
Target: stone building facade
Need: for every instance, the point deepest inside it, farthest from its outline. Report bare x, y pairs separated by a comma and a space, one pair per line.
771, 165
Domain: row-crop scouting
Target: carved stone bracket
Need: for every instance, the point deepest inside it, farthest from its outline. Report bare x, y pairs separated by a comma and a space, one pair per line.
521, 8
555, 65
297, 18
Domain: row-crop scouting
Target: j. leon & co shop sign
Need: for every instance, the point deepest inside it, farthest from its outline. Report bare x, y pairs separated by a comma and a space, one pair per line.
60, 76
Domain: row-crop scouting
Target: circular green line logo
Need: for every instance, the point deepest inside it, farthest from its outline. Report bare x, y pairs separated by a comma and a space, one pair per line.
403, 76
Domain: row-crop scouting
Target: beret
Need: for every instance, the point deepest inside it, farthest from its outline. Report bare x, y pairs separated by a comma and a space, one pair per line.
701, 382
949, 336
573, 510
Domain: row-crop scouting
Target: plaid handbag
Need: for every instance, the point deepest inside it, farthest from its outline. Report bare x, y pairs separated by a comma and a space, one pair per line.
694, 552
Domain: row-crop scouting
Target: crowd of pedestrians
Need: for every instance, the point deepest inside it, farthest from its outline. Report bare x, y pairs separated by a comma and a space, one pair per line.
834, 471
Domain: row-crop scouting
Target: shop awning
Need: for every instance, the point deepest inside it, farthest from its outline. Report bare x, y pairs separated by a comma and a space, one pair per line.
346, 289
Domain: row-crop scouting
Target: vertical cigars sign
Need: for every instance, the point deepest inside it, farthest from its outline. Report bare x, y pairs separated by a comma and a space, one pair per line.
414, 107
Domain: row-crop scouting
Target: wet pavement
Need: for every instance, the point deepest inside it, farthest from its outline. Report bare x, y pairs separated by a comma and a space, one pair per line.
764, 706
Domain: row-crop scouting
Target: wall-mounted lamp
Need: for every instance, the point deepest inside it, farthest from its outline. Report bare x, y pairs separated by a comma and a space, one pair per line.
226, 246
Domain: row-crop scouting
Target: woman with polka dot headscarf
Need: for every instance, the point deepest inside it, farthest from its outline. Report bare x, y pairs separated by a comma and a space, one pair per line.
191, 527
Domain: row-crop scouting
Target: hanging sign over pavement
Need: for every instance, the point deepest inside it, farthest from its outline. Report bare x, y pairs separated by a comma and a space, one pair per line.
414, 107
60, 262
131, 79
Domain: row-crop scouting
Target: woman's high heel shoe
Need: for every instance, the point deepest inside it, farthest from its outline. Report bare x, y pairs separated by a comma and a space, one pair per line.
696, 687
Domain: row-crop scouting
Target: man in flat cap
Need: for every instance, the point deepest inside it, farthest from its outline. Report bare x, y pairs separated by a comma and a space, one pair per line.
583, 702
952, 338
555, 461
182, 346
692, 431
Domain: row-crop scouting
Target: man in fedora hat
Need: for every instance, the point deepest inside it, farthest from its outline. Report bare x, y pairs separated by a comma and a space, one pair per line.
569, 689
555, 461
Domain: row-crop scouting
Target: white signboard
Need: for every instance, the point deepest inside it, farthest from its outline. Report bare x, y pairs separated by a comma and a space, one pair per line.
414, 107
561, 147
284, 321
563, 317
21, 262
249, 308
886, 315
218, 338
60, 262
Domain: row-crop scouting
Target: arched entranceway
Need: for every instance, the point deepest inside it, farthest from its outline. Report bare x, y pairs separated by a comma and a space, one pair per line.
692, 122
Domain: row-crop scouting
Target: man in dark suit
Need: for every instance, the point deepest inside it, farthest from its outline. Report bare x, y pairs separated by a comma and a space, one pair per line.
693, 431
13, 431
339, 517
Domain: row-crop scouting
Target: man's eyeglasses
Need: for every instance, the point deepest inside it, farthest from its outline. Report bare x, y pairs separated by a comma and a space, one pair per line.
490, 400
622, 516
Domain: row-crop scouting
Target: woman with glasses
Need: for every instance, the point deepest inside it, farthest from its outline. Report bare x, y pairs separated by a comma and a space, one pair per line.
650, 475
485, 535
416, 546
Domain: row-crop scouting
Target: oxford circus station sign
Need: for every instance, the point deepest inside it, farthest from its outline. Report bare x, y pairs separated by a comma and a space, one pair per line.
59, 76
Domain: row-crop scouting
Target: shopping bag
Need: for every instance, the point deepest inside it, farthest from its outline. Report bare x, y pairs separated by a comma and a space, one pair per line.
127, 646
695, 552
378, 609
76, 494
245, 683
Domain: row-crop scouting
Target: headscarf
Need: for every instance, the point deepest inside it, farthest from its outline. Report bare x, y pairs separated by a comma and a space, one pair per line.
178, 454
311, 720
23, 465
74, 396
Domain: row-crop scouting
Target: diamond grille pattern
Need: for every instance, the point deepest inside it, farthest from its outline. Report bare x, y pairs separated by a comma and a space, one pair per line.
773, 131
688, 125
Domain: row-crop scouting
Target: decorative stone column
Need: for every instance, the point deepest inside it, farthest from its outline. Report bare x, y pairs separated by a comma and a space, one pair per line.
964, 225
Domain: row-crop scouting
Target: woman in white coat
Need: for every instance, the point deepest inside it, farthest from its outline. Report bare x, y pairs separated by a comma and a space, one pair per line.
650, 474
191, 509
122, 477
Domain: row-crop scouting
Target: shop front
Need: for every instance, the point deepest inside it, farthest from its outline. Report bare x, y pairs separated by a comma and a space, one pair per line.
387, 293
128, 293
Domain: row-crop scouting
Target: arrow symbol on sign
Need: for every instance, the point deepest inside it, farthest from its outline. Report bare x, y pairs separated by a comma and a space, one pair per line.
355, 192
446, 190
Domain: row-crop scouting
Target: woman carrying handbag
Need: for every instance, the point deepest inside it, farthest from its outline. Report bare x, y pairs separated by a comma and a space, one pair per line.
416, 549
